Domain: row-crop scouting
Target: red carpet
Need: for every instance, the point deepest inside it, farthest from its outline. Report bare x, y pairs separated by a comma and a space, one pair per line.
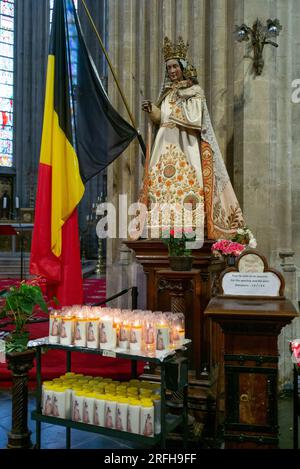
54, 361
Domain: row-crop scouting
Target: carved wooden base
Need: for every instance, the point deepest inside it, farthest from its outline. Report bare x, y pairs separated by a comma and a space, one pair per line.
20, 363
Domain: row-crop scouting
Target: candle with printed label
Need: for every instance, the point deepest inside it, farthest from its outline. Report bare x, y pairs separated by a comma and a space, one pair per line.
124, 335
149, 336
162, 336
135, 342
54, 327
67, 329
108, 334
80, 330
92, 337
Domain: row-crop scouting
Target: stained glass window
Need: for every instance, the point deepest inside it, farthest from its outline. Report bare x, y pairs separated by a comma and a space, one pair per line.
6, 81
73, 44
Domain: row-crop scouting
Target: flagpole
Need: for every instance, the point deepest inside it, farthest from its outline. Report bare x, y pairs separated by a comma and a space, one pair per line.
141, 141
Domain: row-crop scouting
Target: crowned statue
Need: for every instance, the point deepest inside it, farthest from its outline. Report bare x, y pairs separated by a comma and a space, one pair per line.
186, 167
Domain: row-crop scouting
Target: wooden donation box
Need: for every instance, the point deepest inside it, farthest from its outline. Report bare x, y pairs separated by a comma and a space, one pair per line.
181, 291
251, 311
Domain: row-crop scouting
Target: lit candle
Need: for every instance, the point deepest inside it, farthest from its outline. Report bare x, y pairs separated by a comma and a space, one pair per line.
108, 334
124, 335
4, 202
117, 324
92, 338
17, 202
80, 331
177, 322
67, 329
149, 342
162, 336
178, 336
135, 342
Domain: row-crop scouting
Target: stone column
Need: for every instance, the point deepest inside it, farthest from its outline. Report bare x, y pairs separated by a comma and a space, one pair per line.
263, 130
255, 108
216, 69
123, 173
263, 138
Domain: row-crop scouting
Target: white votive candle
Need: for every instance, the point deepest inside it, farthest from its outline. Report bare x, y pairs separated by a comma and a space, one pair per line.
67, 330
124, 335
108, 335
136, 337
54, 327
92, 335
162, 337
80, 331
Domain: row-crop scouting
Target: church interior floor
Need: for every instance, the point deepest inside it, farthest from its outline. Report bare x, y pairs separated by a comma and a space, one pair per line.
53, 437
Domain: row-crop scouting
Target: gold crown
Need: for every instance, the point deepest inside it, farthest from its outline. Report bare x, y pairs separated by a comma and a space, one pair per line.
174, 51
190, 71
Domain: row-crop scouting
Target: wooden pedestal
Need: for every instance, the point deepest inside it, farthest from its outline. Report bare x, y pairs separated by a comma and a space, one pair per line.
20, 363
251, 328
181, 292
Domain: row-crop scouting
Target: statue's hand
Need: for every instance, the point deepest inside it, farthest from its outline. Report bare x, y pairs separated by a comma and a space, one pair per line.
147, 106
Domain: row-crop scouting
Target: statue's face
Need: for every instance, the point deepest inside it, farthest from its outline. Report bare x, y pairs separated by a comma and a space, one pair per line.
174, 70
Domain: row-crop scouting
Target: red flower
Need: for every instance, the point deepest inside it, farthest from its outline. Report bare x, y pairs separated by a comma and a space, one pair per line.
227, 247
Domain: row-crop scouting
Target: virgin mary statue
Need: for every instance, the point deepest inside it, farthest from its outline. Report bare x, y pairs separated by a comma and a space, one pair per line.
186, 167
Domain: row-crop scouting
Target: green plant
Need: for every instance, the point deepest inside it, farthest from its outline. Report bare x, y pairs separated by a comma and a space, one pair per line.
21, 303
177, 239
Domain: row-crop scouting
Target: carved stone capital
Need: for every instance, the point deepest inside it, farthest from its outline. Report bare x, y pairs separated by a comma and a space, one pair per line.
287, 260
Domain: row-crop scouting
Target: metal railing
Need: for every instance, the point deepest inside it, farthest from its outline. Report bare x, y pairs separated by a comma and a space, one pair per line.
134, 296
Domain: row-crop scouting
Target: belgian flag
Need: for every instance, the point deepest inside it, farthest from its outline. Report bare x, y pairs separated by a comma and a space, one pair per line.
82, 134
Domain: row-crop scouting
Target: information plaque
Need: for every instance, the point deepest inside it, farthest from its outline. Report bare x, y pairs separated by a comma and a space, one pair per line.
252, 277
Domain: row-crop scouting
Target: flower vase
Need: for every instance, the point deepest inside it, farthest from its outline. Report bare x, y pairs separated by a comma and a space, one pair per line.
181, 263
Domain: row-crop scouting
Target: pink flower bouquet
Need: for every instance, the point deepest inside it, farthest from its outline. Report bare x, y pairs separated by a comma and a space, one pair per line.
226, 247
295, 349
